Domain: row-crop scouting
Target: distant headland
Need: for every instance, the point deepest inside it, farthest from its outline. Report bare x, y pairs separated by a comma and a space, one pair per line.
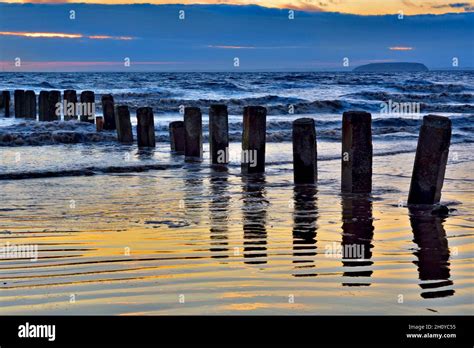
391, 67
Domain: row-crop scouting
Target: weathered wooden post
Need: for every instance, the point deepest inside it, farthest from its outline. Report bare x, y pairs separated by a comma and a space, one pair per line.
30, 105
6, 103
304, 151
99, 123
54, 106
219, 134
70, 98
176, 129
430, 160
43, 106
19, 100
87, 106
145, 127
108, 111
356, 173
124, 126
253, 140
192, 133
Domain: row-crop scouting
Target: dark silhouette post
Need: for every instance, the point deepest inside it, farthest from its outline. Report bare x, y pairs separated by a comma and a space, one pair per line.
145, 127
253, 140
192, 133
6, 103
43, 106
124, 126
356, 175
304, 151
19, 100
54, 106
176, 129
108, 111
219, 134
99, 123
87, 106
70, 112
30, 105
430, 160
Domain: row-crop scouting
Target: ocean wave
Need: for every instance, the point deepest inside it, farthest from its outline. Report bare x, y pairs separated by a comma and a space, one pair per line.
431, 88
402, 98
72, 132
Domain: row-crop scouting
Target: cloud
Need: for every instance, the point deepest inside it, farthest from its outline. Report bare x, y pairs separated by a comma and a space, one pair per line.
62, 35
400, 48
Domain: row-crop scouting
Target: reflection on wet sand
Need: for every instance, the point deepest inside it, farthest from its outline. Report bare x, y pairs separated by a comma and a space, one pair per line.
254, 211
304, 230
219, 213
193, 193
432, 254
358, 231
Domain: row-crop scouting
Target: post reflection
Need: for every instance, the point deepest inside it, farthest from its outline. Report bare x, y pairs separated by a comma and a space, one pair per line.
193, 193
304, 230
254, 210
358, 231
219, 213
432, 254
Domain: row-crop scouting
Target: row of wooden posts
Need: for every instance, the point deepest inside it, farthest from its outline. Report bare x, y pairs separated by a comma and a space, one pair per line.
186, 138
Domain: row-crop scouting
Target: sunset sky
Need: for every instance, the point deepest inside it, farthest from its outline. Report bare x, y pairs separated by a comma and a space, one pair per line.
43, 36
345, 6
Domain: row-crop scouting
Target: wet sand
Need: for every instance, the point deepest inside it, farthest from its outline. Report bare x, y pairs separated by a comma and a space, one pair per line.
191, 240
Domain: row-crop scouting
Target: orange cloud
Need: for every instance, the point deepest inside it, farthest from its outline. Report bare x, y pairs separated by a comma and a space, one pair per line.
361, 7
62, 35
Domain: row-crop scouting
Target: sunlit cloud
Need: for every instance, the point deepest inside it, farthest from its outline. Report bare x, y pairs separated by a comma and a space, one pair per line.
62, 35
230, 47
237, 47
364, 7
400, 48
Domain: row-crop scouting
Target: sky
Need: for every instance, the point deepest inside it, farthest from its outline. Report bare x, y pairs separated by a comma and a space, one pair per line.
233, 36
365, 7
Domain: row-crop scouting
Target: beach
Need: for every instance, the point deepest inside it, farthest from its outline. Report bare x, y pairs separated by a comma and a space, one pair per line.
127, 231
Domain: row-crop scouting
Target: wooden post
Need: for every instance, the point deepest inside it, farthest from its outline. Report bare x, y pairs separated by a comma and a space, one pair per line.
145, 127
99, 123
430, 160
304, 151
30, 105
176, 130
192, 133
6, 103
356, 173
219, 134
108, 111
54, 110
253, 140
19, 100
124, 126
87, 106
70, 97
43, 106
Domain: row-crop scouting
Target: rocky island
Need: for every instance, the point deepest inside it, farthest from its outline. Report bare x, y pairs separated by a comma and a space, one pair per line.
391, 67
